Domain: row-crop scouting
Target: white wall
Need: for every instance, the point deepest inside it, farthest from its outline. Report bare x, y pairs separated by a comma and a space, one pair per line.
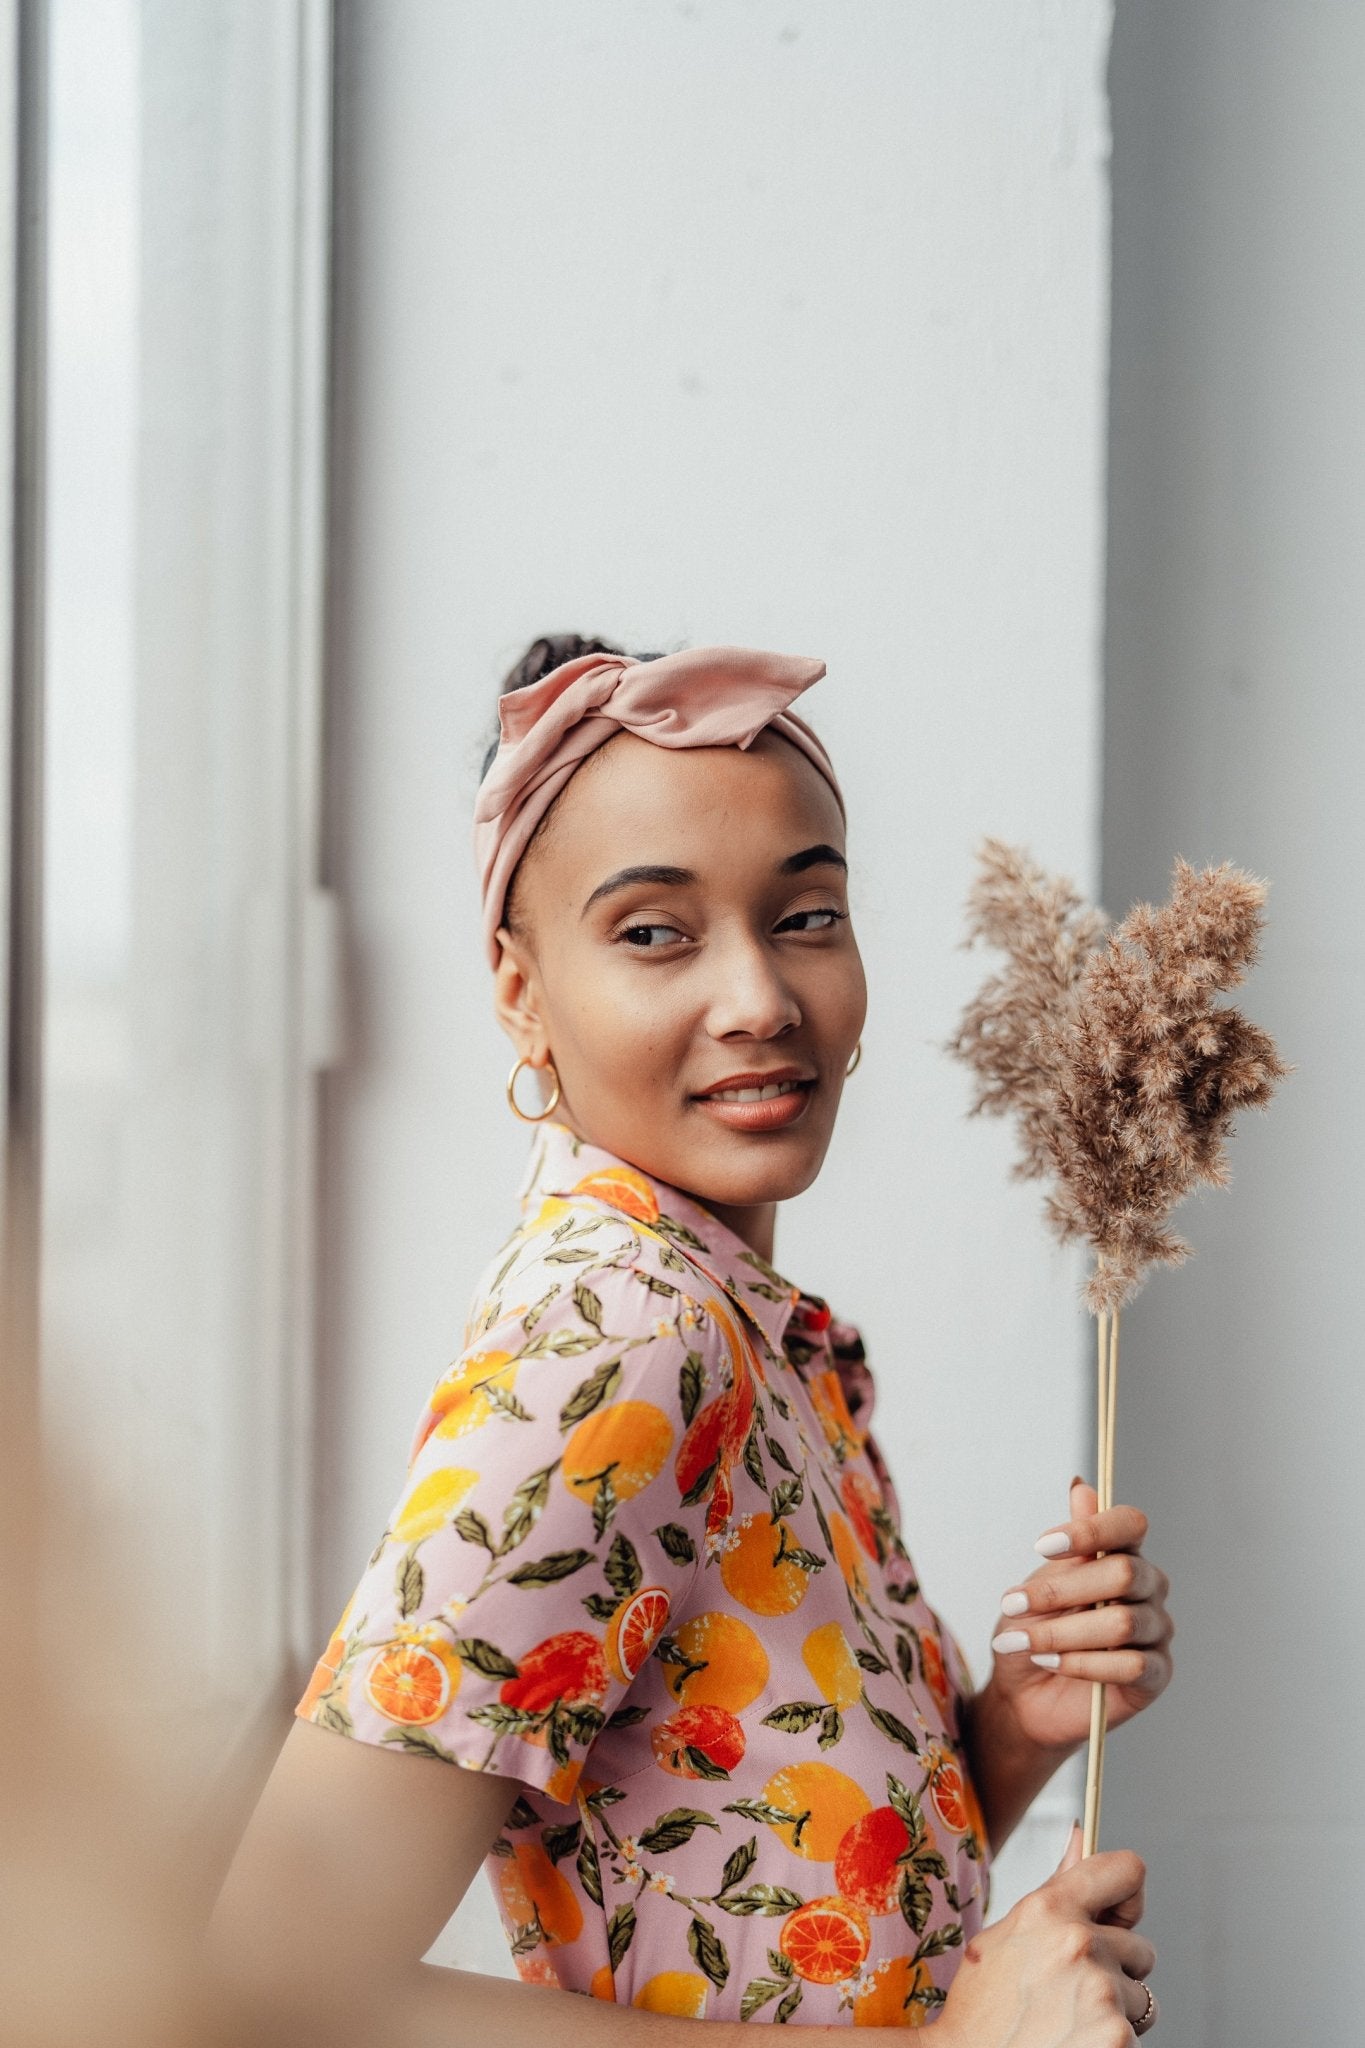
1236, 730
775, 323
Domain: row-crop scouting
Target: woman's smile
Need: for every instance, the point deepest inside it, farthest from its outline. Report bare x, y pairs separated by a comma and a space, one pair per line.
759, 1101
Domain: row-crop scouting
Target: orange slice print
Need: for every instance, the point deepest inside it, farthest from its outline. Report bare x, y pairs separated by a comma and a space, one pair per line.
623, 1188
411, 1683
949, 1794
821, 1805
634, 1629
862, 1499
825, 1940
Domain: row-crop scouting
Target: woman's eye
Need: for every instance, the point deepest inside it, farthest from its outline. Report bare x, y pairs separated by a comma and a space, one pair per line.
834, 916
637, 935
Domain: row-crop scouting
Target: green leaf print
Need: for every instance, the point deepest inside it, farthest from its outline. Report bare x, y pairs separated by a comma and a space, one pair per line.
674, 1261
590, 1393
739, 1863
331, 1714
537, 1309
758, 1993
831, 1728
627, 1717
753, 1458
523, 1509
622, 1567
588, 1304
676, 1543
779, 1456
604, 1506
589, 1873
620, 1929
523, 1815
882, 1718
757, 1809
786, 1497
788, 2006
916, 1901
484, 1657
655, 1284
420, 1742
794, 1717
708, 1952
601, 1606
674, 1828
701, 1485
690, 1384
760, 1898
569, 1255
561, 1841
701, 1764
410, 1584
544, 1571
940, 1939
473, 1528
780, 1965
906, 1805
870, 1661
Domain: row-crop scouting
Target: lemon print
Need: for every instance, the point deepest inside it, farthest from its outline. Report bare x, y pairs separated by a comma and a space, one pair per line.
431, 1503
726, 1664
822, 1803
467, 1396
681, 1992
754, 1575
631, 1439
828, 1656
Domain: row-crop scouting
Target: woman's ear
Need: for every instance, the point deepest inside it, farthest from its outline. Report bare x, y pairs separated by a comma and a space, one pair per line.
516, 999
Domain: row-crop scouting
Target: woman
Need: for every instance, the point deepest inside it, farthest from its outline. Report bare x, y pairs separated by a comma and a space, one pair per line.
646, 1579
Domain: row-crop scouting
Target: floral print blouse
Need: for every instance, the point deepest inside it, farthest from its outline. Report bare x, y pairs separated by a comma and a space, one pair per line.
647, 1565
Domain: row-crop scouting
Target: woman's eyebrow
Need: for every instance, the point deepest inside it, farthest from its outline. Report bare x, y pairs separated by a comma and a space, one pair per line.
678, 878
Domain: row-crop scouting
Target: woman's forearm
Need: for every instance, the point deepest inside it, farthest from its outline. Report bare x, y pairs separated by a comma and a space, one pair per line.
1007, 1769
454, 2006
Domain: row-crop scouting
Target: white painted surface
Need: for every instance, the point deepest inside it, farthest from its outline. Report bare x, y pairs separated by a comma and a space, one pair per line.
1236, 730
782, 324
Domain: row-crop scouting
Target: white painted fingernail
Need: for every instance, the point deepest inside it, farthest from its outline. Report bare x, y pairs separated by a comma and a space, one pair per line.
1014, 1603
1054, 1544
1049, 1659
1010, 1639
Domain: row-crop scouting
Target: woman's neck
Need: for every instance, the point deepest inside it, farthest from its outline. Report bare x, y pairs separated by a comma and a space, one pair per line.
755, 1222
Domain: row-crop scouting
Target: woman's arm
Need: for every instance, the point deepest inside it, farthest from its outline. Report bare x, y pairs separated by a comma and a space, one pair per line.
352, 1863
1008, 1770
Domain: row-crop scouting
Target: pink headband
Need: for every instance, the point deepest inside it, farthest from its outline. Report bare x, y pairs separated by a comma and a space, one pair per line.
700, 697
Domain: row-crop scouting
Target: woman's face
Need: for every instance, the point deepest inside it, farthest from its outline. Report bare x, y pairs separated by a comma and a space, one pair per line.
684, 928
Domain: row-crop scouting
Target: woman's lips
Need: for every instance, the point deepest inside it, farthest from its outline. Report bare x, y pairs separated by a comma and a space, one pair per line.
773, 1114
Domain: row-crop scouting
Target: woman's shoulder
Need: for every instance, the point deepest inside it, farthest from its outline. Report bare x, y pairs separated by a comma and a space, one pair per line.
579, 1306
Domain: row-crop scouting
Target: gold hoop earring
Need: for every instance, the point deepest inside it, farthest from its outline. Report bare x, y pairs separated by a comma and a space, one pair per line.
857, 1055
512, 1093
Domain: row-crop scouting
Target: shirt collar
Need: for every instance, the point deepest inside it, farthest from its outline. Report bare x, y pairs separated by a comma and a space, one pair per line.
563, 1164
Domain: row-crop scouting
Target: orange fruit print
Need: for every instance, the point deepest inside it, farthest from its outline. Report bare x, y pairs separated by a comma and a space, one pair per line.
634, 1629
861, 1497
753, 1574
825, 1940
532, 1889
631, 1438
866, 1868
882, 2003
936, 1677
568, 1667
727, 1665
709, 1733
821, 1804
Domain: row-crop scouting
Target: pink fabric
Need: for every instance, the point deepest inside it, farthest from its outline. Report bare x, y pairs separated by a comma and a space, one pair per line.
699, 697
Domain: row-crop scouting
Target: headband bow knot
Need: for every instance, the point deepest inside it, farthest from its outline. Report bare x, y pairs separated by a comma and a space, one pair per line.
699, 697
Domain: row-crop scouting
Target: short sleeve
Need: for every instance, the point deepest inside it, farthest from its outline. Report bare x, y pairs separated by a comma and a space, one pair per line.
542, 1538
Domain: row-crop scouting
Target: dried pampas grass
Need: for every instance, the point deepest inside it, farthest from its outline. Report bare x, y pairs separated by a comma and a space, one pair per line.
1123, 1074
1107, 1046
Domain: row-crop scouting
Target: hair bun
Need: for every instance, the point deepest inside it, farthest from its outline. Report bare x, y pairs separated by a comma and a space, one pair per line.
550, 652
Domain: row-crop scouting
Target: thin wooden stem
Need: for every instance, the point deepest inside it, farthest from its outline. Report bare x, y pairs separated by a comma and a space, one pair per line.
1107, 1372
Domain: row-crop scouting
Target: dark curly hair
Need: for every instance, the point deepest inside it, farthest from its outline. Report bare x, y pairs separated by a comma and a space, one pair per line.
550, 651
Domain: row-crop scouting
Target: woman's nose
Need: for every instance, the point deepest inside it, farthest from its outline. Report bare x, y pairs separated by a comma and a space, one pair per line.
750, 996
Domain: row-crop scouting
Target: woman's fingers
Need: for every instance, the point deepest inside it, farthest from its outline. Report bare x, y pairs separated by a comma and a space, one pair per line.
1095, 1628
1127, 1950
1119, 1528
1111, 1884
1124, 1575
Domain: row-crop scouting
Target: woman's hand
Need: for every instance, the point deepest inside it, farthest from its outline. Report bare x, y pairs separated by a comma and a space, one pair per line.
1063, 1968
1127, 1643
